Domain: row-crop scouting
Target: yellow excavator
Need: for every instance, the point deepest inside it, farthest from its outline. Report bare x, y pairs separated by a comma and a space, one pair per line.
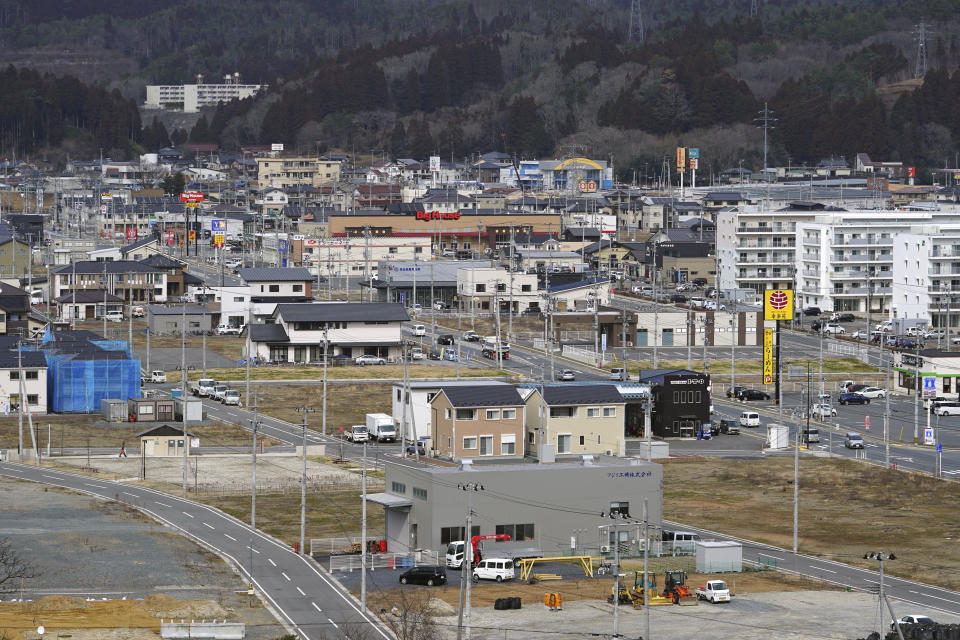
634, 595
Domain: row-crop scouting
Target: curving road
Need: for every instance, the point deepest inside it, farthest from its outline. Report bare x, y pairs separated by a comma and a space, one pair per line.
309, 602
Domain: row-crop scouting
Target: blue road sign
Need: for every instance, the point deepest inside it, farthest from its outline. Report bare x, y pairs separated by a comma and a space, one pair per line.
403, 299
218, 226
939, 448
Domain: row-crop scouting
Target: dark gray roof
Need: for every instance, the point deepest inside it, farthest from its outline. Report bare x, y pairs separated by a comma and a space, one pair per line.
161, 261
136, 245
31, 359
112, 266
267, 333
483, 396
87, 295
561, 394
275, 274
721, 196
164, 430
177, 310
342, 311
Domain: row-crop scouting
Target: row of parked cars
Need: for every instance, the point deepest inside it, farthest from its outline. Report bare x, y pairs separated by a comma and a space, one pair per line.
210, 388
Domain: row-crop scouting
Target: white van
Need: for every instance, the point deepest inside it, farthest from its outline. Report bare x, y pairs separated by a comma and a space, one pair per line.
498, 569
619, 373
419, 330
749, 419
115, 316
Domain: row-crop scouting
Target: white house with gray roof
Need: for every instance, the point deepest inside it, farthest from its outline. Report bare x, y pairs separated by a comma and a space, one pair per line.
296, 332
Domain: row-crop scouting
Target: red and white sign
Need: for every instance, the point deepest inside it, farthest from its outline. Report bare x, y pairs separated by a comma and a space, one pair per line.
310, 242
131, 233
587, 186
911, 172
437, 215
694, 163
191, 196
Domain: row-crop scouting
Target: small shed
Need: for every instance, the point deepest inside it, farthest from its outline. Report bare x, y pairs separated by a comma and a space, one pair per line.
778, 436
719, 556
164, 441
167, 320
113, 409
194, 408
143, 409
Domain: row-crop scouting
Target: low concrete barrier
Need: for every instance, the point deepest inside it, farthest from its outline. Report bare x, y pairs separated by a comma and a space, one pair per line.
221, 630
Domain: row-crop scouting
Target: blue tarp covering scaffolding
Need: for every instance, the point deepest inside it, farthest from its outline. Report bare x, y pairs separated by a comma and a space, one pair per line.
83, 369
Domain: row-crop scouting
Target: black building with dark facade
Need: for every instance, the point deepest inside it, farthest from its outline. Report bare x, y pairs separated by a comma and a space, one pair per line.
681, 401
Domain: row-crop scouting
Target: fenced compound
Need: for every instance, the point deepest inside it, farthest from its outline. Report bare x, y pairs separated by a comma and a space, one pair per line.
279, 487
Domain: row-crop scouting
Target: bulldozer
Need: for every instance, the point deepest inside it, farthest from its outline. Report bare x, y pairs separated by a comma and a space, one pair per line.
675, 588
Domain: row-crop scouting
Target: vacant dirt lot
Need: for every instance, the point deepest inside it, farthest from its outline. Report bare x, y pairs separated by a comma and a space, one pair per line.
347, 404
846, 509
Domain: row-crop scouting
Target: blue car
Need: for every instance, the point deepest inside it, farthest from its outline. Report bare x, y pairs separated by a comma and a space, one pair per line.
853, 398
450, 354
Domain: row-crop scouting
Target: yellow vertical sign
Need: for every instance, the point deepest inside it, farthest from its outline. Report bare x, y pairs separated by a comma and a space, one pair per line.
681, 159
768, 356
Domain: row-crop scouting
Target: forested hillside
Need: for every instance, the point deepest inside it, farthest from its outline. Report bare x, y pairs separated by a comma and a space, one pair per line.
531, 77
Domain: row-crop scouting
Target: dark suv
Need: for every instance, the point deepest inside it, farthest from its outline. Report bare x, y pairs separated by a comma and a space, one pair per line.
446, 338
428, 574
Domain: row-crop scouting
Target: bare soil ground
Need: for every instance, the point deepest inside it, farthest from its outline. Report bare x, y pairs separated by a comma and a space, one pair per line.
347, 404
846, 509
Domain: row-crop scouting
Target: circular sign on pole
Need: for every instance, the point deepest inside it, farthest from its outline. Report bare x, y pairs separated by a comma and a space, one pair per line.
779, 300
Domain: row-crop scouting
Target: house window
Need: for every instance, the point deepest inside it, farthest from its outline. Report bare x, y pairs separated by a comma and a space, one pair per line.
14, 375
398, 395
448, 413
470, 442
582, 440
418, 249
563, 443
466, 414
392, 250
509, 414
238, 298
274, 288
481, 288
32, 398
398, 487
593, 412
525, 288
486, 445
501, 286
563, 412
531, 437
298, 288
31, 375
493, 414
508, 444
278, 353
609, 412
450, 534
420, 494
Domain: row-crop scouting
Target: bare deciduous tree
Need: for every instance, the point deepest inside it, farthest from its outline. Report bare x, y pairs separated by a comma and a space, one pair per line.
12, 566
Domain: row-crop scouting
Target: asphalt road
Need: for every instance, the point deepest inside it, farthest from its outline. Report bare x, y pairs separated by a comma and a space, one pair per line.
311, 603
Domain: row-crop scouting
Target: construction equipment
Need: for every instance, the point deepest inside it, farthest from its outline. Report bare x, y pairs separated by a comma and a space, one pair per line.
634, 595
675, 588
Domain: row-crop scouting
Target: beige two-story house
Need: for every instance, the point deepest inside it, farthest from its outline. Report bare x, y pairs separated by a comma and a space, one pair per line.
478, 422
576, 419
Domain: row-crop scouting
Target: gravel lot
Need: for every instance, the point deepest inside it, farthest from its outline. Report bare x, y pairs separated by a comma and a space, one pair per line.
797, 615
91, 548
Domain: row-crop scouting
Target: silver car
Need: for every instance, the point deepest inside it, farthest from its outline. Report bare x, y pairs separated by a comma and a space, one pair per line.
853, 441
363, 360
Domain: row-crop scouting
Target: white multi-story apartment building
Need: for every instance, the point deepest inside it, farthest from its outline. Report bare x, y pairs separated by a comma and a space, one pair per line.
926, 282
191, 97
481, 286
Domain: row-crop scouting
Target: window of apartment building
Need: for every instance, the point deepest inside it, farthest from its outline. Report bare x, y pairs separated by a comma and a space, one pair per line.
531, 437
563, 412
501, 286
418, 249
563, 443
14, 375
470, 442
526, 288
493, 414
609, 412
466, 414
509, 414
593, 412
398, 487
420, 494
274, 288
481, 288
238, 298
31, 375
486, 445
508, 444
582, 440
516, 531
32, 398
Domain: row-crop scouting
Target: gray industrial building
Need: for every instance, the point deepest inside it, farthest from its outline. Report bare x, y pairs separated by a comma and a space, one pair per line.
555, 507
169, 320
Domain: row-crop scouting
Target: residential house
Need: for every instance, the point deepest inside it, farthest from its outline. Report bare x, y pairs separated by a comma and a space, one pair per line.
297, 332
15, 310
164, 441
485, 288
33, 366
576, 419
266, 287
141, 249
478, 421
579, 295
130, 280
418, 410
86, 304
178, 280
70, 250
162, 320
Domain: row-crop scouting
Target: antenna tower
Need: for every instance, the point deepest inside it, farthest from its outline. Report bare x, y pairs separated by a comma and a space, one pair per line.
636, 22
754, 8
921, 35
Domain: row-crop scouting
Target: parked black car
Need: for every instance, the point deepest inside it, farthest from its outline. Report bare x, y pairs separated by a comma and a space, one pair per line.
734, 392
853, 398
811, 311
845, 317
445, 338
435, 354
677, 298
753, 394
428, 574
700, 282
729, 427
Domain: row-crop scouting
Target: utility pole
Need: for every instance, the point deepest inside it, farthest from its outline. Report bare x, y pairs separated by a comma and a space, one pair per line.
883, 597
916, 393
303, 479
689, 343
513, 246
463, 618
253, 479
920, 33
733, 343
363, 531
656, 310
648, 423
183, 396
886, 413
326, 344
754, 8
646, 583
248, 329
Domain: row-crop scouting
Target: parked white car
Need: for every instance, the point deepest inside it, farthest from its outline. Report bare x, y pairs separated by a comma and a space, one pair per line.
498, 569
834, 329
115, 316
872, 392
822, 411
712, 305
227, 330
419, 330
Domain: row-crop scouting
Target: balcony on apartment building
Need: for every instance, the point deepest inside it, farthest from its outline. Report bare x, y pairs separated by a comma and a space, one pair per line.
869, 241
940, 253
865, 256
776, 227
773, 258
862, 291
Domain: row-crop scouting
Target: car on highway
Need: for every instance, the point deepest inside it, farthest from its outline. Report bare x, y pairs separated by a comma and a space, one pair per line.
451, 355
853, 440
419, 330
859, 334
428, 574
872, 392
218, 392
368, 359
420, 447
933, 334
842, 317
643, 290
728, 427
734, 391
752, 394
445, 338
471, 336
948, 408
834, 329
676, 298
566, 375
749, 419
822, 411
852, 398
686, 286
231, 397
811, 311
440, 305
906, 621
698, 302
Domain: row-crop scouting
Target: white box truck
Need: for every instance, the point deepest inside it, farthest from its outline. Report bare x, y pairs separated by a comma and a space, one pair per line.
381, 427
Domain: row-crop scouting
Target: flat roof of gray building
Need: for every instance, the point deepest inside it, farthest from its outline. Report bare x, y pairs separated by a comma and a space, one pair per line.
604, 462
275, 274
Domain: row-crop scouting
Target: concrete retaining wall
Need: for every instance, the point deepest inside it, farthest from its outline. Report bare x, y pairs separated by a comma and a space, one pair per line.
222, 630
